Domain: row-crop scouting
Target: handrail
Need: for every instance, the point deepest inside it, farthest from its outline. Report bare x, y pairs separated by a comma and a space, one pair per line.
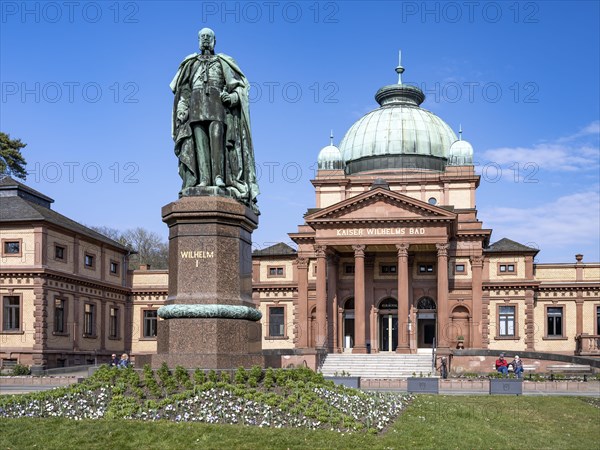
433, 356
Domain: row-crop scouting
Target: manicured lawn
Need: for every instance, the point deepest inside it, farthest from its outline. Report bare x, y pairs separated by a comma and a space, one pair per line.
491, 422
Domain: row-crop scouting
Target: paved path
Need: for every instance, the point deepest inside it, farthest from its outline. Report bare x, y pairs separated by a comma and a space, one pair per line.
526, 393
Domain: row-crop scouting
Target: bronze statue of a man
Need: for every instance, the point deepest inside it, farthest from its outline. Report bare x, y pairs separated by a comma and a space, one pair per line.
211, 125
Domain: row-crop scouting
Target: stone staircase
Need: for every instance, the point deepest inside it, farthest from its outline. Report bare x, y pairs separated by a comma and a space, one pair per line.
378, 365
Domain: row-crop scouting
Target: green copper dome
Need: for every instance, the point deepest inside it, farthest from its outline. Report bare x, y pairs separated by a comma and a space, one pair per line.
399, 134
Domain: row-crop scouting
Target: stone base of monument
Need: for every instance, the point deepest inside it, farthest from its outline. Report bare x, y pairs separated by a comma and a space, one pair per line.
209, 343
209, 320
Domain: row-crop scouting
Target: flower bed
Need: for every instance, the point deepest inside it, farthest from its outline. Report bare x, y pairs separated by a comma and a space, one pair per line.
271, 398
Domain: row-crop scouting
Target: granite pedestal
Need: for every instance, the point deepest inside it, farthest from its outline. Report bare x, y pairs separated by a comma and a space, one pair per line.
210, 263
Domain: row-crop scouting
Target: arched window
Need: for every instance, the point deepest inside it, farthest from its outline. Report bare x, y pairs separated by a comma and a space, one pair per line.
388, 303
349, 304
426, 303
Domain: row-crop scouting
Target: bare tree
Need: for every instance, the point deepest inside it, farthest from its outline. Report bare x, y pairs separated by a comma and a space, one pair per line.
149, 247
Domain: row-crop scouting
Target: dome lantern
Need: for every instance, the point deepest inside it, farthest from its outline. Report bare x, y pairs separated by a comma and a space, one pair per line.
330, 157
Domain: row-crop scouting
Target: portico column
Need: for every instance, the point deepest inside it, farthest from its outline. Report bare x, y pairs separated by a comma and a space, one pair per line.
359, 300
476, 290
403, 337
442, 295
332, 302
321, 328
340, 330
302, 319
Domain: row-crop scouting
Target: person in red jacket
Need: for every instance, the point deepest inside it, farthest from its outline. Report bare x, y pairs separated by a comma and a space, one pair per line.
502, 365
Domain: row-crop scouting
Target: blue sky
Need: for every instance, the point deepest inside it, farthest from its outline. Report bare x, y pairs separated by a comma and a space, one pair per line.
85, 84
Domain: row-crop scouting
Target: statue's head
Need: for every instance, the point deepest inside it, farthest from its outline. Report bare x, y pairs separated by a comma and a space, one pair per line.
206, 40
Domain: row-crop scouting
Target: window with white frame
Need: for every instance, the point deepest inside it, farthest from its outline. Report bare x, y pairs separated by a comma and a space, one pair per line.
276, 321
554, 321
11, 313
506, 320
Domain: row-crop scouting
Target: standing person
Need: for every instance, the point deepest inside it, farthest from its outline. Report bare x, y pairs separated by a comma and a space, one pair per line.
124, 363
502, 365
518, 366
443, 367
114, 361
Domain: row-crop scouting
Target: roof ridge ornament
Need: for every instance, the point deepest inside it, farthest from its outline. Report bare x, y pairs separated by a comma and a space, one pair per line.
399, 69
400, 93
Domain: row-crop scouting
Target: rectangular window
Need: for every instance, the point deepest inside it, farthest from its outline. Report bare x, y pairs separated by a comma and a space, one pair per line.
114, 268
349, 269
12, 247
555, 321
425, 268
89, 261
276, 322
150, 322
276, 272
504, 268
459, 268
11, 313
89, 319
59, 315
388, 269
507, 320
597, 319
113, 324
59, 253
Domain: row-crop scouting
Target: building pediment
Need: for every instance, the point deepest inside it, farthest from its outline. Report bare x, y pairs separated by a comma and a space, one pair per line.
380, 205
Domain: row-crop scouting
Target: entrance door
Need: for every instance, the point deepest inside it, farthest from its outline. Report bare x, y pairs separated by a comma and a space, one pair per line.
388, 332
348, 324
349, 330
426, 333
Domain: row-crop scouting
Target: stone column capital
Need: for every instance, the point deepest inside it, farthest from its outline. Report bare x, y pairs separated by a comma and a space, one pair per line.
402, 250
359, 251
477, 261
320, 250
442, 249
302, 263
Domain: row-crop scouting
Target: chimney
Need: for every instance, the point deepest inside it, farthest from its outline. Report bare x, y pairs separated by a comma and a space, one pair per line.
144, 266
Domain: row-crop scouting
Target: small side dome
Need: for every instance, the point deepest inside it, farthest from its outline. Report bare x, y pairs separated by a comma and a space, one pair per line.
330, 157
460, 154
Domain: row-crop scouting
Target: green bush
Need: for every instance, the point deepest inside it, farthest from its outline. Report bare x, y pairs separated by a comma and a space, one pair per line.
212, 376
183, 377
199, 376
241, 376
495, 375
225, 377
20, 369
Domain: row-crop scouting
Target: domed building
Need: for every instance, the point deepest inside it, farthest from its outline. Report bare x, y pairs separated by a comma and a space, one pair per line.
390, 227
392, 258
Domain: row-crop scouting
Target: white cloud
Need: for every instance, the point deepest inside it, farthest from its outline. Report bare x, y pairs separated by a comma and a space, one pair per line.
572, 220
576, 152
592, 129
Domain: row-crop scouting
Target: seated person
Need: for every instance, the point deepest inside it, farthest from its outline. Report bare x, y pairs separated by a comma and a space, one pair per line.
124, 362
502, 365
114, 361
517, 366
